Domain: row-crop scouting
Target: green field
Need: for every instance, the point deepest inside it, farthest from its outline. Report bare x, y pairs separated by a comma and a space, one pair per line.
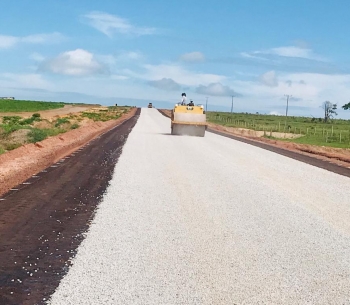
27, 106
335, 133
16, 130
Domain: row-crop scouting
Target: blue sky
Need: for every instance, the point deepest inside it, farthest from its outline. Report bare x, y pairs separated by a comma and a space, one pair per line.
139, 51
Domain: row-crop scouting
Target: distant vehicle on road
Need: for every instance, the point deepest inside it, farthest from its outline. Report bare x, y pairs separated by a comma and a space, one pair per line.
150, 105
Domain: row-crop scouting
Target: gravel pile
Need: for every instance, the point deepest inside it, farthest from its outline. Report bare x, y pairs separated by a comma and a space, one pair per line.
210, 220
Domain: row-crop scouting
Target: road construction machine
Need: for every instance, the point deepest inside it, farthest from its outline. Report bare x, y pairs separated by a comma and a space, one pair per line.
189, 120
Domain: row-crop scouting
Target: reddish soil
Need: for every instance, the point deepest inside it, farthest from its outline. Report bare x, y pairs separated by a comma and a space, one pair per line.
20, 164
44, 221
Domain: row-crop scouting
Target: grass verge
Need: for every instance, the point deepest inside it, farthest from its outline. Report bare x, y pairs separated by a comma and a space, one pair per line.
27, 106
314, 131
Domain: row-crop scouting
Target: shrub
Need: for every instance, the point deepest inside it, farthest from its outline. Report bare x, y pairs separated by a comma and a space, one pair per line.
7, 129
74, 126
16, 120
11, 146
61, 121
11, 120
37, 135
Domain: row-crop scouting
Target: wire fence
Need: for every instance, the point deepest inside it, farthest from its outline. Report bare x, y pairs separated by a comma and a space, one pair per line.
322, 134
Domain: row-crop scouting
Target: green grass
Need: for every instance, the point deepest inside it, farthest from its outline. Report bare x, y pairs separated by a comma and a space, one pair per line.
61, 121
9, 124
37, 135
113, 112
27, 106
319, 141
74, 126
13, 123
11, 146
335, 133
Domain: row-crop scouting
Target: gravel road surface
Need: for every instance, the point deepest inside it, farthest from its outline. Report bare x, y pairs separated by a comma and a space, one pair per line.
189, 220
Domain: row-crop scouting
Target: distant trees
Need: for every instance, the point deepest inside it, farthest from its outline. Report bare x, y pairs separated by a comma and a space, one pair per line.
329, 110
346, 106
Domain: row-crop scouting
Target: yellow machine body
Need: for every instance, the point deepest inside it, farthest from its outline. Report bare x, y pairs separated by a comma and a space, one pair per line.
188, 120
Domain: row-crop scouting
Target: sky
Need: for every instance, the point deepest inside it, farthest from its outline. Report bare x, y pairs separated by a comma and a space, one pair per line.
134, 52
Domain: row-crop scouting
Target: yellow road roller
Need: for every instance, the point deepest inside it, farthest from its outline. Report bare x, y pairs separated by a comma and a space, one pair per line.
188, 120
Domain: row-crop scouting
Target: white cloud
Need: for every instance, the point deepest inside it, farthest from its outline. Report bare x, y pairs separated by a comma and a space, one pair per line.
166, 84
32, 80
109, 24
10, 41
178, 74
293, 51
193, 57
269, 79
129, 56
309, 94
216, 89
275, 113
250, 56
121, 58
43, 38
78, 62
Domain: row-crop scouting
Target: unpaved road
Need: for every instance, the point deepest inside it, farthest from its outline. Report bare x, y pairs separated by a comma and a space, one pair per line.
212, 221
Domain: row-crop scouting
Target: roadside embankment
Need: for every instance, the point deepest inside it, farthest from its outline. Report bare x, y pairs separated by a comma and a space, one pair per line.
20, 164
339, 156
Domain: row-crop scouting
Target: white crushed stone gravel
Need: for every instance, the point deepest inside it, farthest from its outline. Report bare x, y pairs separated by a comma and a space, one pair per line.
212, 221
